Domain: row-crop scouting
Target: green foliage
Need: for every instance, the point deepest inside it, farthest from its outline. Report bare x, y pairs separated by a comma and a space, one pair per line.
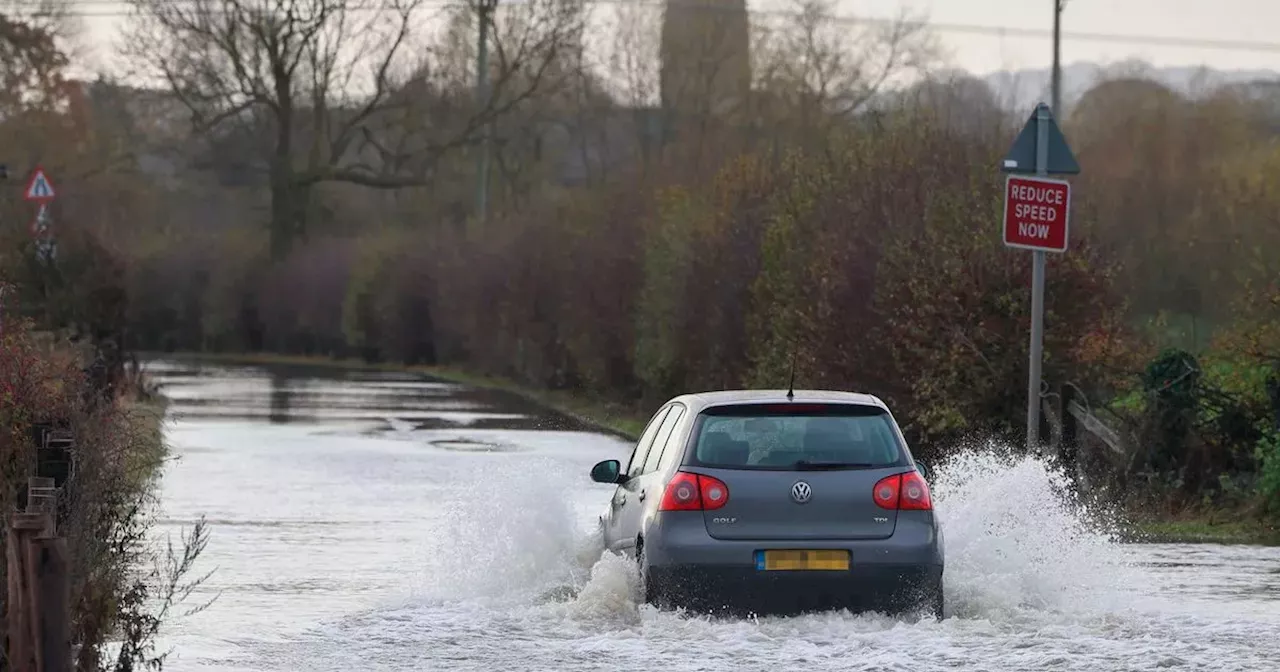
779, 319
867, 250
1171, 383
227, 300
957, 304
662, 308
940, 327
364, 305
1173, 377
385, 311
1268, 454
703, 257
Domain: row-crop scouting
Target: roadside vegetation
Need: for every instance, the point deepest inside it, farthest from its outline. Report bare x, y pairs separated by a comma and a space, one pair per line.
633, 250
65, 366
123, 584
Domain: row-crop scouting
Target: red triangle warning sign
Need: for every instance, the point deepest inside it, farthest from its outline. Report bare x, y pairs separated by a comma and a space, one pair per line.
39, 188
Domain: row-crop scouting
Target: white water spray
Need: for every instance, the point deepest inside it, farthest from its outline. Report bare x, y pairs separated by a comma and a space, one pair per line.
1016, 540
507, 532
1015, 545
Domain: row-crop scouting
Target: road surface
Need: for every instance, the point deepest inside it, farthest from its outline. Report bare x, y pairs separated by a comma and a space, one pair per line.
381, 523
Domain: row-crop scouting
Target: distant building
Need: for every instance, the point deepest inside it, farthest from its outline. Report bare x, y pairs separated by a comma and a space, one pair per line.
706, 57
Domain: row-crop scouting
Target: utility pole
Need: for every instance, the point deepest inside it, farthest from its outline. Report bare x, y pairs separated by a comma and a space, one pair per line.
1057, 56
484, 11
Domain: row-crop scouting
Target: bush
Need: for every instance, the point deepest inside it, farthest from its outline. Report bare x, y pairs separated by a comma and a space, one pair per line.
1244, 363
1268, 453
852, 261
865, 249
106, 500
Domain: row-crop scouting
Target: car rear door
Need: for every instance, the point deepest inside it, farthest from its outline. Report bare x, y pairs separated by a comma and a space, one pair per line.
618, 529
642, 480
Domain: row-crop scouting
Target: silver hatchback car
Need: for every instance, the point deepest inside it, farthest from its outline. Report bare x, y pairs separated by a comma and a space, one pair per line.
772, 500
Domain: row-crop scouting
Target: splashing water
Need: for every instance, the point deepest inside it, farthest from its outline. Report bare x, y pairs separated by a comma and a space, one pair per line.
513, 582
1016, 543
1016, 540
612, 592
505, 534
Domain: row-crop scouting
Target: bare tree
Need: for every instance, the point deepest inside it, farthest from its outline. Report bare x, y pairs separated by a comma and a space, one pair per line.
32, 68
620, 90
334, 87
55, 17
37, 114
955, 100
632, 52
820, 67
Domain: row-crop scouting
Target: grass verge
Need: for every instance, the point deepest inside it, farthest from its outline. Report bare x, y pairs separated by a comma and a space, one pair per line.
1201, 531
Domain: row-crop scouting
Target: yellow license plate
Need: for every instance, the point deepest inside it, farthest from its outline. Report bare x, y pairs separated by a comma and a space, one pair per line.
804, 560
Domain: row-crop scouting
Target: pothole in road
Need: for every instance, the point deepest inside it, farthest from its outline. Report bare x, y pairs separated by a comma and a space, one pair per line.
473, 446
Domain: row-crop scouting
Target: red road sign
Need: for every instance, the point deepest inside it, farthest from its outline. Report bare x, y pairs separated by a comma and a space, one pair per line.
39, 188
40, 223
1037, 213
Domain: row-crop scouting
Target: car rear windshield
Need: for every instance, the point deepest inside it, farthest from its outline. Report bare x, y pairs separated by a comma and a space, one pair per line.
796, 436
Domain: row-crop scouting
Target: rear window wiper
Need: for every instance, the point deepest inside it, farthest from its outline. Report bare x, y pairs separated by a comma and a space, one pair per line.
806, 465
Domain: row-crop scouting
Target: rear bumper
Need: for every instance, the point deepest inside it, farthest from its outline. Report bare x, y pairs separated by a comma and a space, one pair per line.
687, 566
884, 588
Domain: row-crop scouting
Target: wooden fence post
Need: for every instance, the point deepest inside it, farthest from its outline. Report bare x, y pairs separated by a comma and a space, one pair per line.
22, 653
19, 654
1070, 451
38, 615
1072, 461
1046, 428
54, 589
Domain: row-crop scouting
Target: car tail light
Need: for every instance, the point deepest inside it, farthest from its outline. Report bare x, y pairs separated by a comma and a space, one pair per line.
886, 491
907, 492
694, 492
915, 493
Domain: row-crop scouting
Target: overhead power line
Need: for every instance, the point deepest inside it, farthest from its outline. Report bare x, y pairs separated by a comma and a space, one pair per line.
953, 28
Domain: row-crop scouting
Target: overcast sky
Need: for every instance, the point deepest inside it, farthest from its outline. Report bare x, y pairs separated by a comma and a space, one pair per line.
1224, 20
1215, 20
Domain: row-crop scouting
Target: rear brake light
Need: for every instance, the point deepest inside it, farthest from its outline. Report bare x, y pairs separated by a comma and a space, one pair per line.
915, 493
715, 493
886, 491
907, 492
694, 492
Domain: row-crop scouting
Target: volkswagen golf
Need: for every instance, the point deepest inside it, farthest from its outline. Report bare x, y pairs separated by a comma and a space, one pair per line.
766, 500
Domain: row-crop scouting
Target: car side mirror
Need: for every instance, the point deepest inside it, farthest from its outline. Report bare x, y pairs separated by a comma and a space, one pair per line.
606, 472
924, 471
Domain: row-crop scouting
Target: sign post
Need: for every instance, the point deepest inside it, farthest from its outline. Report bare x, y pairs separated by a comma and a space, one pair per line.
1036, 217
40, 190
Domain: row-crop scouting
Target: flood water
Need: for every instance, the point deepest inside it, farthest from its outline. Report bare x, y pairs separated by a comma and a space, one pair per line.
364, 521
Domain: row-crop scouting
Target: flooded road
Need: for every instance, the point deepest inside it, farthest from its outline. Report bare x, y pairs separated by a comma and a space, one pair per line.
378, 522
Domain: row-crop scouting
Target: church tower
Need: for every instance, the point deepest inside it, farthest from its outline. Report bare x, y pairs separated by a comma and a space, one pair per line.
706, 57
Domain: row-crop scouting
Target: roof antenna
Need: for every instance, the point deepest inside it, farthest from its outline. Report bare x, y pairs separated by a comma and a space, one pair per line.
791, 384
